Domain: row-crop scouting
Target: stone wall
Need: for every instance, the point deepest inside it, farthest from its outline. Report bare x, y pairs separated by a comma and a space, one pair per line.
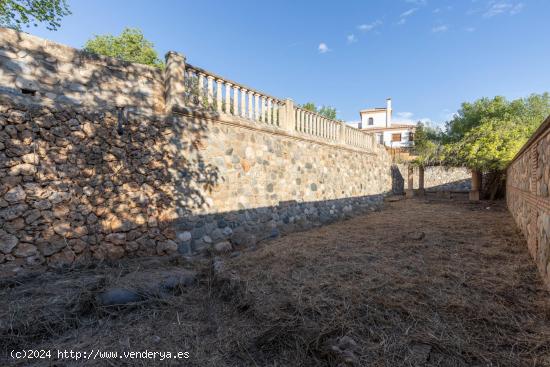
527, 196
75, 188
66, 75
436, 178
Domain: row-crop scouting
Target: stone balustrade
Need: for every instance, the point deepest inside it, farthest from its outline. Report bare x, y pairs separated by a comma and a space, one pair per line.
358, 138
312, 123
47, 70
208, 90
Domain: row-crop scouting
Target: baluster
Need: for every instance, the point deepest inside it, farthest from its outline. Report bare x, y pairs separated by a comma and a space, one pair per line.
244, 94
228, 98
250, 104
210, 90
201, 87
315, 123
263, 108
301, 121
269, 111
219, 104
235, 100
256, 107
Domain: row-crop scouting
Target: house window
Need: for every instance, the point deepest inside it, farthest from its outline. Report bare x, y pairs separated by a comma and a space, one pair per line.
381, 138
411, 136
395, 137
371, 121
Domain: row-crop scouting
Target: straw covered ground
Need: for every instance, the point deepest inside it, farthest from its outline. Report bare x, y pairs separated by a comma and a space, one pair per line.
423, 282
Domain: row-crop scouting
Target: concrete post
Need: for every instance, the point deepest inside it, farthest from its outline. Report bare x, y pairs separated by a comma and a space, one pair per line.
287, 116
476, 185
174, 78
421, 190
409, 192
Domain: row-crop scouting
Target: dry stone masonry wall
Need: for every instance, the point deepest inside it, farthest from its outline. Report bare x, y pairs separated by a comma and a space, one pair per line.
82, 180
436, 178
73, 190
66, 75
527, 196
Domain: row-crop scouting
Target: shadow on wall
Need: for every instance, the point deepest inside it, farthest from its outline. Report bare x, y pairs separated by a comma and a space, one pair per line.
75, 188
456, 186
398, 182
67, 75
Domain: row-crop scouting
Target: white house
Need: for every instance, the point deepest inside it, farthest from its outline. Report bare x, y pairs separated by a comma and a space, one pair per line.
392, 134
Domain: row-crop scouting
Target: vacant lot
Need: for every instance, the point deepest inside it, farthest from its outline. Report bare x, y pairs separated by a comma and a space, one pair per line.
425, 282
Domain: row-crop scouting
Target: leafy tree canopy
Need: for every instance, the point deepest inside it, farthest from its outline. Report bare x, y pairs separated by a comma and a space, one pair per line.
327, 111
485, 134
17, 13
427, 144
130, 46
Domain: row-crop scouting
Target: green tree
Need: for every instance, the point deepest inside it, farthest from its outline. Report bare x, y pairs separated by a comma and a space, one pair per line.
427, 144
16, 13
309, 106
131, 46
326, 111
487, 133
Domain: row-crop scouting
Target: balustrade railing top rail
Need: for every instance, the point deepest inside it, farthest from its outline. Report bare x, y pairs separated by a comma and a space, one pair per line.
191, 86
229, 81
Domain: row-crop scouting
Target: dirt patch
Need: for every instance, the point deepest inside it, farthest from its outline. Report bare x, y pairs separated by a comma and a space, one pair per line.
422, 282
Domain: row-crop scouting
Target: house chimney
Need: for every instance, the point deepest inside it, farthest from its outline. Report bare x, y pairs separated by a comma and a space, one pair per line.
388, 112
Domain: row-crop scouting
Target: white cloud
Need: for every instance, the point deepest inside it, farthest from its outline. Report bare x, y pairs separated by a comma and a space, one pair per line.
351, 38
370, 26
517, 8
323, 48
470, 29
408, 118
440, 28
403, 17
448, 115
404, 115
503, 7
408, 13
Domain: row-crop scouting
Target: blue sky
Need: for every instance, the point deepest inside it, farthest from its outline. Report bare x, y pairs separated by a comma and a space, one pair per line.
428, 55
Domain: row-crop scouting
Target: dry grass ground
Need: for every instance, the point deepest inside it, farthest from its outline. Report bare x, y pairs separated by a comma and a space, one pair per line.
424, 282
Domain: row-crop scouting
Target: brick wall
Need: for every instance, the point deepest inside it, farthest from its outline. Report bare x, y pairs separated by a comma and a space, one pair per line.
527, 196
